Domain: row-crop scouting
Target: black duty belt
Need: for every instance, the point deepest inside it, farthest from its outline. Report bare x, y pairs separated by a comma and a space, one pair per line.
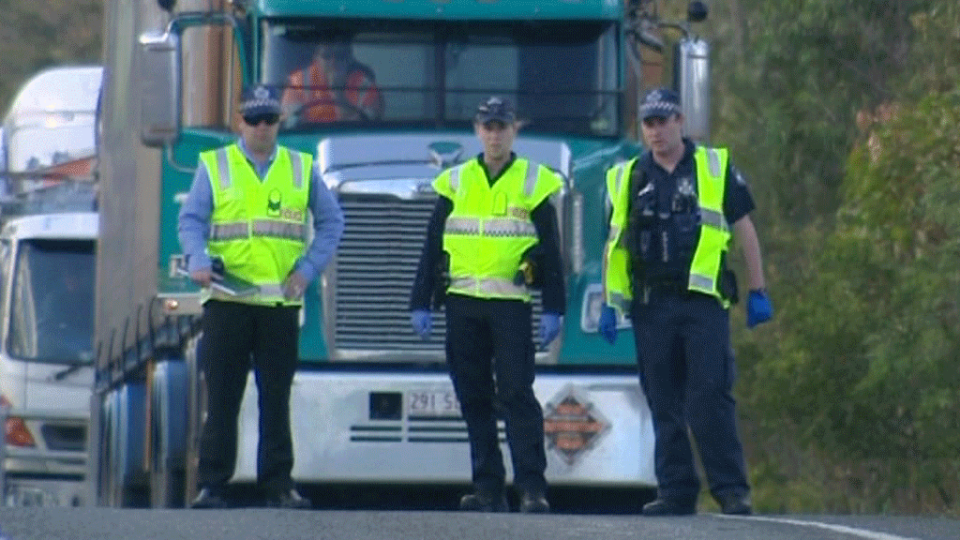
674, 288
671, 285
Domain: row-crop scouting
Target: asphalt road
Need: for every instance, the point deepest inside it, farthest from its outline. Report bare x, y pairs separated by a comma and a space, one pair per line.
263, 524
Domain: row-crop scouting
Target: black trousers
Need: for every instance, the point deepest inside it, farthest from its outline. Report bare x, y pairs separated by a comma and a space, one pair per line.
234, 335
490, 354
687, 372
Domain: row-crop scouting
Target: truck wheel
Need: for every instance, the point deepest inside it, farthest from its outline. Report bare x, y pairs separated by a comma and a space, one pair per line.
166, 477
117, 485
168, 424
128, 479
196, 409
104, 446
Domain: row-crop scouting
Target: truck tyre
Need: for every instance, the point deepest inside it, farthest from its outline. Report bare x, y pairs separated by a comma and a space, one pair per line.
196, 409
168, 425
128, 434
104, 456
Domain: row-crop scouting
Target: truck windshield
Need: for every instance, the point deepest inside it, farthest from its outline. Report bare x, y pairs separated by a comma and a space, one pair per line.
51, 315
561, 75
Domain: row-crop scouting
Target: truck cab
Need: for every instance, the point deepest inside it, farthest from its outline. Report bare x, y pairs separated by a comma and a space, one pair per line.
48, 234
46, 267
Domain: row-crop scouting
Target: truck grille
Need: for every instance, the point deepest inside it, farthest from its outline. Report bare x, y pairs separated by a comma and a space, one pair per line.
375, 265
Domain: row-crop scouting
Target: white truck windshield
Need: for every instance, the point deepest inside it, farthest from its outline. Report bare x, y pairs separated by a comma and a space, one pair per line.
561, 75
51, 314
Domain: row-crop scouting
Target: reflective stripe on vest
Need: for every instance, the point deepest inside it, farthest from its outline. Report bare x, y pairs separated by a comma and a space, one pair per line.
489, 228
488, 287
258, 227
279, 229
229, 231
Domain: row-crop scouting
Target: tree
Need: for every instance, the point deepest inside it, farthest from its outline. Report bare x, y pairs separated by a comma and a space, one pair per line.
35, 35
852, 394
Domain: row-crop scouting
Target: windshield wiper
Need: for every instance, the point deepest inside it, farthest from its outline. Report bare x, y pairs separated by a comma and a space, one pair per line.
61, 375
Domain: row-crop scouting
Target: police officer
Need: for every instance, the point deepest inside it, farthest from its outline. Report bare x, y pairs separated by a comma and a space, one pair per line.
493, 210
665, 264
248, 208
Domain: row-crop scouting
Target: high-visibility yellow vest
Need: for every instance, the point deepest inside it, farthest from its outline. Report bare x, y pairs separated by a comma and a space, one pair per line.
490, 228
258, 227
704, 274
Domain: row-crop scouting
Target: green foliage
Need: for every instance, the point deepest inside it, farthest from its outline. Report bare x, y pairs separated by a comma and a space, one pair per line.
790, 100
903, 190
845, 115
867, 370
36, 35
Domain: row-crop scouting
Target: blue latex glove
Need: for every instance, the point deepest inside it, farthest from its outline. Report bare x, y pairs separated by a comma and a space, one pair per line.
759, 308
549, 328
608, 324
422, 322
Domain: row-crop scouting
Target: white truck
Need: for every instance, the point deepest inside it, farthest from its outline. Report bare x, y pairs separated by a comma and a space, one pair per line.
48, 233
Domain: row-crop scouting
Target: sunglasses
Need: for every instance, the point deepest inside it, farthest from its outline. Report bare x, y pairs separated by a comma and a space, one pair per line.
269, 119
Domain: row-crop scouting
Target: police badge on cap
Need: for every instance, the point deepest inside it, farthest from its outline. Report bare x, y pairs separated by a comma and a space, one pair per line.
259, 99
497, 109
661, 102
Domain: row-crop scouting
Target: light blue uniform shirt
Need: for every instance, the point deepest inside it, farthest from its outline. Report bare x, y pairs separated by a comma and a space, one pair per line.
193, 226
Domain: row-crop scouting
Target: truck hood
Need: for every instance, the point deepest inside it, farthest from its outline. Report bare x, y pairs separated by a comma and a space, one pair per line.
345, 161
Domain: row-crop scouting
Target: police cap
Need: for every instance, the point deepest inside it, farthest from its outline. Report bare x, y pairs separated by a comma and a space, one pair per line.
662, 102
258, 100
495, 108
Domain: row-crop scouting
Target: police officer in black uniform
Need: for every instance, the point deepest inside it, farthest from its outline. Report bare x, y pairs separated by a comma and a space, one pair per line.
679, 290
489, 345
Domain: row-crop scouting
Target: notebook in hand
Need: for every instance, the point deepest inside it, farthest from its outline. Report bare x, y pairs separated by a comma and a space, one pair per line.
226, 282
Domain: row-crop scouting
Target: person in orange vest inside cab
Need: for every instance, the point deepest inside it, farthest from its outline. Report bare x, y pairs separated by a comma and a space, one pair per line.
333, 87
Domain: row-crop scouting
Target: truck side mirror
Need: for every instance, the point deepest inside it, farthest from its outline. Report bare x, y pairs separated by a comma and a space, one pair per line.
159, 88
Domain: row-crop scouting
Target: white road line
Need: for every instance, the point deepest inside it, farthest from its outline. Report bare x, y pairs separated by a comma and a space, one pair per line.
860, 533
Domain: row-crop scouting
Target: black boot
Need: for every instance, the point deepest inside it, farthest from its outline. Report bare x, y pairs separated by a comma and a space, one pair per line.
209, 499
534, 502
670, 507
289, 499
484, 502
735, 504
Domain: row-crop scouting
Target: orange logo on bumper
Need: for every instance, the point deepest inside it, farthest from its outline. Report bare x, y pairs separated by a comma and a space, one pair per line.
571, 425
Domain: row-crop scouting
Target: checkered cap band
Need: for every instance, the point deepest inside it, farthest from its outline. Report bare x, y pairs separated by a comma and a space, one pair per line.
659, 108
660, 102
259, 100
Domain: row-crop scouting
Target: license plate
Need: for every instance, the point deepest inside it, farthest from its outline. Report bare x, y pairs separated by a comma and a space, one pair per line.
432, 403
30, 496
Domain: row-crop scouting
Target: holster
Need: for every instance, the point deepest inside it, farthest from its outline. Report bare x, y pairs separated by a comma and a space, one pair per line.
441, 280
530, 269
727, 284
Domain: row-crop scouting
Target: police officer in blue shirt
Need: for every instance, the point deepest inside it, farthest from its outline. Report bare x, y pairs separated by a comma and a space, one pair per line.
248, 205
674, 209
